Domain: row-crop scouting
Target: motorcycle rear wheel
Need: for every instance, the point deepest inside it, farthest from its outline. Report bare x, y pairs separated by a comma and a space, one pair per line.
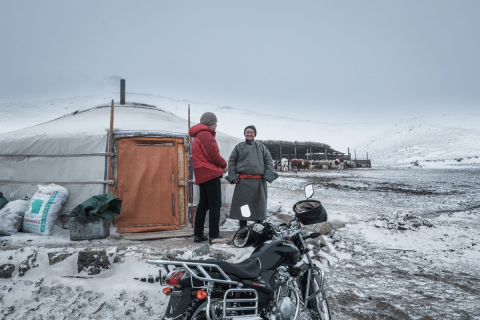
196, 310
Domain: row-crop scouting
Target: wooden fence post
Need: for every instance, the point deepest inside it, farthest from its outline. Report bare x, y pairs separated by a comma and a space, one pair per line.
110, 148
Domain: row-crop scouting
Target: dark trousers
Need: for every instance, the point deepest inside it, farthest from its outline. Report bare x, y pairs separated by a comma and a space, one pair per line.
211, 200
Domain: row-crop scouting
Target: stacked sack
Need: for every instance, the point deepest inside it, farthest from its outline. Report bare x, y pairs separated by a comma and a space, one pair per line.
11, 215
44, 208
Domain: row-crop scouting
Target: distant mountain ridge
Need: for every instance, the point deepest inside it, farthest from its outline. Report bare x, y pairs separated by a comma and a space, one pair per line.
423, 141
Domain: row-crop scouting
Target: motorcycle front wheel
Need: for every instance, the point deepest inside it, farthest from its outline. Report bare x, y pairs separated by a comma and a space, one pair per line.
321, 311
319, 306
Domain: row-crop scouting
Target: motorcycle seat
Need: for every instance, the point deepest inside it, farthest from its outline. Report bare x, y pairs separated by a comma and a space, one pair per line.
246, 269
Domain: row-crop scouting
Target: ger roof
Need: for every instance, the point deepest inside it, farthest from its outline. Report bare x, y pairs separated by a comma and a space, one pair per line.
96, 120
85, 131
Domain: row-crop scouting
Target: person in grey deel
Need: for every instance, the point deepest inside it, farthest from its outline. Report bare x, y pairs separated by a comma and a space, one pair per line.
250, 166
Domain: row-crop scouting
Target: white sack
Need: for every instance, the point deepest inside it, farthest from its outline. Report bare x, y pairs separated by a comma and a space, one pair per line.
11, 217
44, 208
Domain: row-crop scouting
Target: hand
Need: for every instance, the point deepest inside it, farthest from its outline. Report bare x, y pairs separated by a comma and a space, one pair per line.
225, 170
235, 181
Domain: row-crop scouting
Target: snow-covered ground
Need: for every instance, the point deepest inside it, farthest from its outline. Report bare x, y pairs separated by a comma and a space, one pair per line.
375, 269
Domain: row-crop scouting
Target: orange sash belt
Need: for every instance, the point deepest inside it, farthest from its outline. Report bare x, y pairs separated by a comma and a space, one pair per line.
250, 176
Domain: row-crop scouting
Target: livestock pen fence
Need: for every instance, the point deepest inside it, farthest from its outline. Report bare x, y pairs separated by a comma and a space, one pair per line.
301, 150
312, 151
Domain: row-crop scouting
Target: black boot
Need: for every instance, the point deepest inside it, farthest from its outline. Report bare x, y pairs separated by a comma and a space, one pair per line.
200, 238
217, 237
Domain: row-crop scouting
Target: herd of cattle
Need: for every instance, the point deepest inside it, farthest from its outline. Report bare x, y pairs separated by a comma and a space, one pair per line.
298, 164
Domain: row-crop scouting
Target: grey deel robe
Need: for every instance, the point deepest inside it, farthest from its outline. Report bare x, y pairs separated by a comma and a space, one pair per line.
250, 159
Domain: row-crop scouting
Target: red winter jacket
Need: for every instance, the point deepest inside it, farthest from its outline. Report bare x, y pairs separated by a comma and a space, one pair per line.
207, 162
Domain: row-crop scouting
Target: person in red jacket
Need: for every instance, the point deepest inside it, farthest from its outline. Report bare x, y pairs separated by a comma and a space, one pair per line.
208, 167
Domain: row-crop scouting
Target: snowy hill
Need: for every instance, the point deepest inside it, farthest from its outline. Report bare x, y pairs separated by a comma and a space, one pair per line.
433, 141
444, 140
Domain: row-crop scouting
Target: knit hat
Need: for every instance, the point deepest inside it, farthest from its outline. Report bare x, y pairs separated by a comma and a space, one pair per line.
208, 119
251, 127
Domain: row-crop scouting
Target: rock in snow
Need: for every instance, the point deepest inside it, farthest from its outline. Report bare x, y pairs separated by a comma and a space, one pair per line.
399, 221
56, 257
27, 264
6, 270
93, 262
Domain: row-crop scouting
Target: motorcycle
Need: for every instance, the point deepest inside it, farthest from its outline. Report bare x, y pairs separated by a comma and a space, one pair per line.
278, 280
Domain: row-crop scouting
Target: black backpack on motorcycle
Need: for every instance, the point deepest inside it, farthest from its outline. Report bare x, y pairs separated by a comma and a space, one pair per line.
310, 212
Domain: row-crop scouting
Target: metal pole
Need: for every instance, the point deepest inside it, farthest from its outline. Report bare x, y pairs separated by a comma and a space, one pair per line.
110, 147
281, 153
188, 127
355, 152
122, 91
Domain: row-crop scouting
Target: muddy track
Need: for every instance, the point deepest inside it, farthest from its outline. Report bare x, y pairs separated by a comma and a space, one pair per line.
465, 208
344, 182
386, 188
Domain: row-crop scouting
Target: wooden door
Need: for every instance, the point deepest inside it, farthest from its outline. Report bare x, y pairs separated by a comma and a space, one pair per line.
147, 182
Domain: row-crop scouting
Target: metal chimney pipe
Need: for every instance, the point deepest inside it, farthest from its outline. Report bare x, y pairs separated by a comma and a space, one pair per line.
122, 91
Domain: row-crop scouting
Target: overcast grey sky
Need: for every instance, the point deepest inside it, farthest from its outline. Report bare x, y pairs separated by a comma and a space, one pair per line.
332, 60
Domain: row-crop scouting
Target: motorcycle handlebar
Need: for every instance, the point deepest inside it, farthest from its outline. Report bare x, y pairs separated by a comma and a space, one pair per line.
312, 235
293, 228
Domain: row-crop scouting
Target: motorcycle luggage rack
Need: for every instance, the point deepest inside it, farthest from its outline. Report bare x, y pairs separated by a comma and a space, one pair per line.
205, 277
254, 308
